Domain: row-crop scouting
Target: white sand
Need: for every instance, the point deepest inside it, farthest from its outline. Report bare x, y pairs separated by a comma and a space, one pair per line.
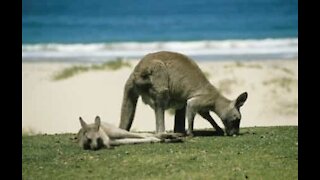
55, 106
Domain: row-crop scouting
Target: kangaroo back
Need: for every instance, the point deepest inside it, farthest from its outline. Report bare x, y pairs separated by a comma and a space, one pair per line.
184, 75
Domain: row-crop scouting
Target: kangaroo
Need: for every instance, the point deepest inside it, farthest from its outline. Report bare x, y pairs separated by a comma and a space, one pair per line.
172, 80
102, 134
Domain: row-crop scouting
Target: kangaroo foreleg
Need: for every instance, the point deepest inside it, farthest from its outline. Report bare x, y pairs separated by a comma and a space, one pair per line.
206, 115
191, 113
159, 91
160, 126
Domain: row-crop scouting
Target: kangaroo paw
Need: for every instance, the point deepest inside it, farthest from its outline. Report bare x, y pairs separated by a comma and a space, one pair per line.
220, 132
190, 134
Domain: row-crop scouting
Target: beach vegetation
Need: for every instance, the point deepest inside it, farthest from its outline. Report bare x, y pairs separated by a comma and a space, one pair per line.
111, 65
70, 71
73, 70
283, 82
284, 69
288, 71
239, 64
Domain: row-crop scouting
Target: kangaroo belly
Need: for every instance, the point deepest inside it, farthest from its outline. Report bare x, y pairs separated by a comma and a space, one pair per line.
170, 102
176, 103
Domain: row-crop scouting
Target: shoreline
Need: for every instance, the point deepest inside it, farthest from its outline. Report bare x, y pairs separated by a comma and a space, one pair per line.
55, 106
101, 60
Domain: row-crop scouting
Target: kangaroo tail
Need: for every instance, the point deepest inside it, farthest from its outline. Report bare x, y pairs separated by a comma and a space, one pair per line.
129, 102
124, 141
170, 138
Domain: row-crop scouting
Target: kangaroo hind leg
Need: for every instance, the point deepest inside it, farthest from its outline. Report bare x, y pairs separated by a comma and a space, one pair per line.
179, 120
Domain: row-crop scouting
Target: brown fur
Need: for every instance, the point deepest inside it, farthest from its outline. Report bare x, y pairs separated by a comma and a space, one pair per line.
172, 80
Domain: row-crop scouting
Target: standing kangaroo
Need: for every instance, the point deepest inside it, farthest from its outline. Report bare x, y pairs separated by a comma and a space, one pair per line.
172, 80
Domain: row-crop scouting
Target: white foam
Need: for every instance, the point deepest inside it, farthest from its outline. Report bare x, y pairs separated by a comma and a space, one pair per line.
285, 46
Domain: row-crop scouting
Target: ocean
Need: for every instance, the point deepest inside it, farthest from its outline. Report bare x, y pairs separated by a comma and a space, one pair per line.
82, 30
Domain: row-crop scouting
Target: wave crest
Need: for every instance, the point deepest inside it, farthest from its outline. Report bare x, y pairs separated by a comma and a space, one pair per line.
286, 47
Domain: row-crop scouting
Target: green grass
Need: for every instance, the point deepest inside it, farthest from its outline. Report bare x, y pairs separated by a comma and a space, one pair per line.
259, 153
71, 71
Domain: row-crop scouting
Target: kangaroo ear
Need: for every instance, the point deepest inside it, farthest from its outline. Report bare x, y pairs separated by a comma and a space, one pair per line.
97, 121
83, 124
241, 99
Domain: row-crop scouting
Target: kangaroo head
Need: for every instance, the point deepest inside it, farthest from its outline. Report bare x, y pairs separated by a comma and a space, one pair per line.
91, 137
231, 115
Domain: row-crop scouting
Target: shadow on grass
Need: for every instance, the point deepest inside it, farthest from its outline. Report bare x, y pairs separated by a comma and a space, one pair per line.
206, 133
200, 133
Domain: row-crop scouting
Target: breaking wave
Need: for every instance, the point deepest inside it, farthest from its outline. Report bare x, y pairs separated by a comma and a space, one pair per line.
206, 49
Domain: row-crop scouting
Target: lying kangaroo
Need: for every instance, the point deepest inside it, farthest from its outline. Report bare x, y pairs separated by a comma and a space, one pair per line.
101, 134
172, 80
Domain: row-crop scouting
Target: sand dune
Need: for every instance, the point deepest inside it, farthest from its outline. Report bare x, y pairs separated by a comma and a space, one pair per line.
55, 106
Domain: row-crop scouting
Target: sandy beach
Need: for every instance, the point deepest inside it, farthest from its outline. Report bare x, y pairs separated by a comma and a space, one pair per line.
50, 106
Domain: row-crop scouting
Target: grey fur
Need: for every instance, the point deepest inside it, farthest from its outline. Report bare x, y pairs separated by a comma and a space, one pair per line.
102, 134
172, 80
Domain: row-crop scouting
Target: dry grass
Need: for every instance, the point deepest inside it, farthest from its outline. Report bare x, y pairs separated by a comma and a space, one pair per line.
284, 69
283, 82
239, 64
71, 71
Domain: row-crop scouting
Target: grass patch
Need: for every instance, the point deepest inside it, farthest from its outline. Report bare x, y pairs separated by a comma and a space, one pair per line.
283, 82
239, 64
71, 71
288, 71
111, 65
259, 153
284, 69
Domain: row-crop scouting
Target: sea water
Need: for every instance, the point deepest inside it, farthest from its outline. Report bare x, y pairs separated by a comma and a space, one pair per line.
92, 30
